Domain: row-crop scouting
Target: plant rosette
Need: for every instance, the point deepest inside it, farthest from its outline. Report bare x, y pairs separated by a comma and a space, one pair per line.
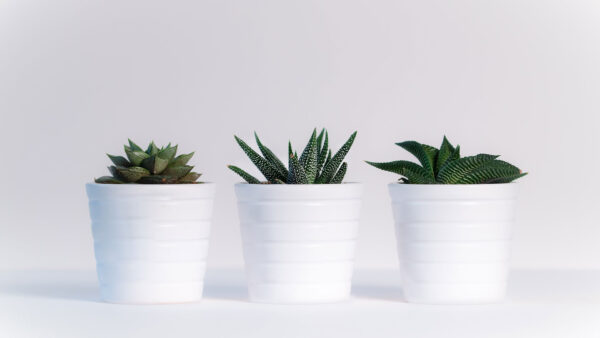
299, 227
150, 240
299, 240
453, 219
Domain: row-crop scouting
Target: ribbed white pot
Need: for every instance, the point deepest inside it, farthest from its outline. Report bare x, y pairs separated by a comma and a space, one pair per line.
454, 241
299, 240
151, 241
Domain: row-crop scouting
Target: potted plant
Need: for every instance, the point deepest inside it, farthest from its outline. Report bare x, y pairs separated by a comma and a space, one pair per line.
453, 223
299, 227
150, 223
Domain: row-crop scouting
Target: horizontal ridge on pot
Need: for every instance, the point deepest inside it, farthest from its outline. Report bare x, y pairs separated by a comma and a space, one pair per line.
151, 241
454, 240
299, 240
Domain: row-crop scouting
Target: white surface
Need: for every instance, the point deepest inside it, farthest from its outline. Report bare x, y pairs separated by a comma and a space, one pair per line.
454, 240
544, 303
299, 240
151, 241
519, 78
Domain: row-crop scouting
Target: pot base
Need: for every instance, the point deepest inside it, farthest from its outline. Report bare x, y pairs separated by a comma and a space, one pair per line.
454, 294
140, 293
299, 293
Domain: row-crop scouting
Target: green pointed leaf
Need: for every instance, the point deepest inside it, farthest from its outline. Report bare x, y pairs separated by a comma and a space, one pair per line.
107, 180
331, 166
115, 173
489, 171
272, 158
339, 176
133, 174
308, 159
247, 177
413, 172
323, 154
119, 160
157, 179
155, 164
191, 177
168, 153
454, 171
424, 153
444, 154
506, 179
135, 157
152, 149
278, 181
320, 141
177, 171
134, 146
264, 166
297, 171
182, 159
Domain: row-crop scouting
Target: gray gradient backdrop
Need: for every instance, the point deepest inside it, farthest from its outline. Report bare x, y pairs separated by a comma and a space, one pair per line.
517, 78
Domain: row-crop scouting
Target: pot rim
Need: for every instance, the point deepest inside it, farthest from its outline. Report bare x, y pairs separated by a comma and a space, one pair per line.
394, 184
242, 184
131, 185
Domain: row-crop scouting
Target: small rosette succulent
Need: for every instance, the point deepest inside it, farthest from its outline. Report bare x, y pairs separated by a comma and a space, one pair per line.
445, 166
316, 164
151, 166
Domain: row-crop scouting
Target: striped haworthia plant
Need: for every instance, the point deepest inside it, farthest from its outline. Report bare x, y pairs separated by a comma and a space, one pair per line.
315, 165
445, 166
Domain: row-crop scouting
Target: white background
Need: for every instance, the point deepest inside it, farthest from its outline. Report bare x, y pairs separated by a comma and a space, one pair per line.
516, 78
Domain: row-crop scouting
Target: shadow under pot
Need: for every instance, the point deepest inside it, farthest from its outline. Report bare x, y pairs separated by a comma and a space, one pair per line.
454, 241
299, 240
151, 241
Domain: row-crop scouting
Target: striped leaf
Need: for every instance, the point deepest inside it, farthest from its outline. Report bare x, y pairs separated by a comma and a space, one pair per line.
413, 172
492, 170
264, 166
506, 179
453, 171
272, 158
446, 151
424, 153
247, 177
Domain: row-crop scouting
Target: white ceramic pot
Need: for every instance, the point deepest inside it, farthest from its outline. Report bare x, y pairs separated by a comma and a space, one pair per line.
151, 241
454, 241
299, 240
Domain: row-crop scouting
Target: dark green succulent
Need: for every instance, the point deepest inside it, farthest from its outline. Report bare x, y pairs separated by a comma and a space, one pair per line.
316, 165
153, 166
445, 166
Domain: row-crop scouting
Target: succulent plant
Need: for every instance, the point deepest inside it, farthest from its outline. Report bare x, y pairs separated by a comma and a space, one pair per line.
153, 166
445, 166
316, 164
